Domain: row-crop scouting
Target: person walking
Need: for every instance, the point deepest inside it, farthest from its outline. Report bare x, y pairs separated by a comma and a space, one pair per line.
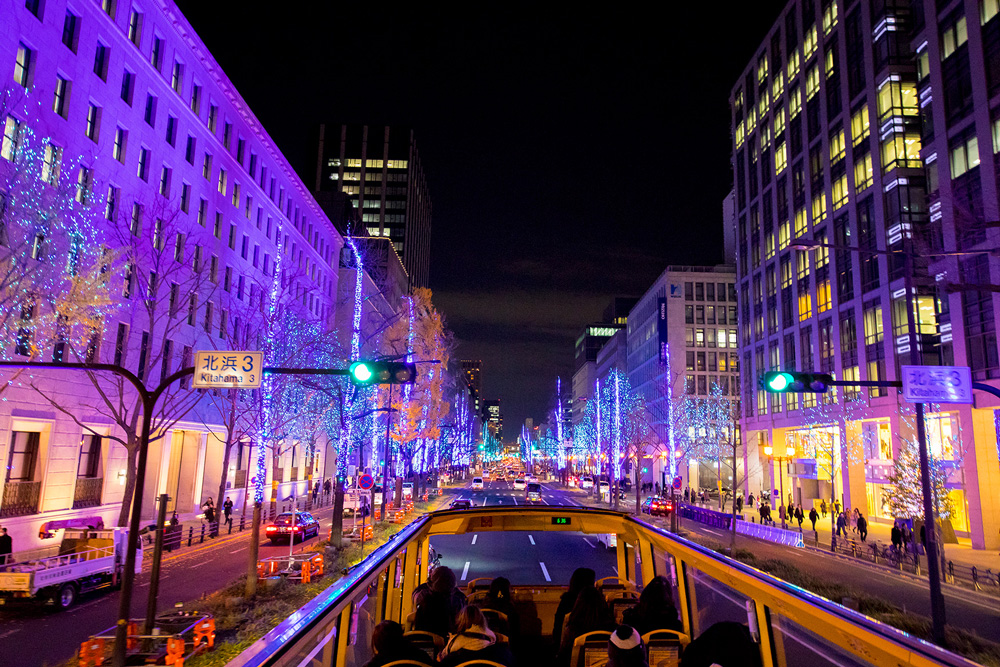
862, 526
836, 507
750, 501
739, 503
814, 517
6, 546
227, 511
209, 507
316, 489
782, 513
822, 507
841, 525
327, 486
799, 516
896, 536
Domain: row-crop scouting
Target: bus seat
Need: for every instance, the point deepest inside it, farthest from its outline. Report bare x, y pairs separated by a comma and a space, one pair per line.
590, 649
479, 584
664, 647
608, 584
478, 663
410, 618
619, 605
497, 620
404, 663
428, 642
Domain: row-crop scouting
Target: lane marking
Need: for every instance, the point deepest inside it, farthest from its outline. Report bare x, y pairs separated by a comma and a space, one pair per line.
513, 498
589, 543
484, 500
545, 571
531, 539
465, 572
475, 537
206, 562
615, 568
235, 551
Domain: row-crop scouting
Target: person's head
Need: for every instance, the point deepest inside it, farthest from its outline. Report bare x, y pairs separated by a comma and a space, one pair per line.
500, 589
386, 635
469, 617
590, 611
582, 577
656, 597
625, 648
3, 530
443, 580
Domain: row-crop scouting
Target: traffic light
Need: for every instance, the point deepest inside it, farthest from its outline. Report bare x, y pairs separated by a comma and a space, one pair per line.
365, 373
789, 382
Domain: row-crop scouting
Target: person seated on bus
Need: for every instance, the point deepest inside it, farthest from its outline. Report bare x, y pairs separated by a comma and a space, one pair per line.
726, 644
389, 645
499, 599
656, 610
625, 648
591, 612
583, 577
439, 603
473, 640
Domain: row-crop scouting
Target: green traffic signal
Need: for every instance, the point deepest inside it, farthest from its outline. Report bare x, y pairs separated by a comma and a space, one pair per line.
788, 382
361, 372
365, 373
779, 382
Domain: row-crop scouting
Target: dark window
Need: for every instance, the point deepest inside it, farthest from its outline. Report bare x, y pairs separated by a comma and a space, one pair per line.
143, 354
89, 464
957, 85
102, 57
23, 456
71, 31
795, 136
991, 53
980, 322
867, 240
121, 343
854, 36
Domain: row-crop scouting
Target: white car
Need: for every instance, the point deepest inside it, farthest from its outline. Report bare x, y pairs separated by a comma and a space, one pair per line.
609, 540
477, 483
587, 483
604, 489
408, 490
519, 484
530, 478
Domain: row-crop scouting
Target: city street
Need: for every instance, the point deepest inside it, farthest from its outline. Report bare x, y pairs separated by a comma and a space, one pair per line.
50, 637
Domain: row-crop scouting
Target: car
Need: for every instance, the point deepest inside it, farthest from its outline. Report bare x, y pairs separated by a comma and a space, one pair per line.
530, 478
519, 484
587, 483
282, 528
604, 489
461, 504
533, 493
657, 506
609, 540
477, 483
408, 490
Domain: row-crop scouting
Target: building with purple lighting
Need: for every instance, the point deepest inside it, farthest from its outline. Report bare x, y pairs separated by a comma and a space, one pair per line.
124, 100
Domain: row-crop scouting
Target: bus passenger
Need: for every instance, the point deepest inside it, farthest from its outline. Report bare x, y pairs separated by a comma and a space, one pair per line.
499, 599
439, 603
473, 641
656, 610
590, 613
389, 645
583, 577
625, 648
726, 644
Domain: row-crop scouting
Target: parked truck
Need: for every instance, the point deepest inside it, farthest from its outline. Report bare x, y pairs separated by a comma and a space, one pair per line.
88, 560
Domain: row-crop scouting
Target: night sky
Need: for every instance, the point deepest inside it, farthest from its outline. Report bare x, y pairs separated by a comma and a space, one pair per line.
570, 158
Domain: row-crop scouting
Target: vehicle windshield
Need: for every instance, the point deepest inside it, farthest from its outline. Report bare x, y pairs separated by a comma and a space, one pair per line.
286, 519
534, 487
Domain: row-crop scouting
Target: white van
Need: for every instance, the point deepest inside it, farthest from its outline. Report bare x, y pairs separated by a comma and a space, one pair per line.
477, 483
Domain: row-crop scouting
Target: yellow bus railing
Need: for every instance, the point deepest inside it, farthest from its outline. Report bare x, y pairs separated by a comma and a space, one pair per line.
792, 625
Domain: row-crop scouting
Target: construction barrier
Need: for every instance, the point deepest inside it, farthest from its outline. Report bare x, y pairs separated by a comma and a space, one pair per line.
92, 652
175, 652
205, 631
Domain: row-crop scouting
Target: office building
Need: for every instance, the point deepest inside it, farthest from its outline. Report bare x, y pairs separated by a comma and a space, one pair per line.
472, 370
866, 128
588, 346
134, 111
379, 169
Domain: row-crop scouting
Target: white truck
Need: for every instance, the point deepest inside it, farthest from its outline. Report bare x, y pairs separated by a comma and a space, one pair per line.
88, 560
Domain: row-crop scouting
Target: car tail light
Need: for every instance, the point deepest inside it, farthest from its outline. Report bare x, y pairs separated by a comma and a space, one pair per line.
271, 529
297, 528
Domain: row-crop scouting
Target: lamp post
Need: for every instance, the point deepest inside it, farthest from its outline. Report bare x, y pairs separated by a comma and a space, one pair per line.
789, 454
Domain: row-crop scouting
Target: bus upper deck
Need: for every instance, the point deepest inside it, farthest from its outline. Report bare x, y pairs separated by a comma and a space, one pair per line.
790, 626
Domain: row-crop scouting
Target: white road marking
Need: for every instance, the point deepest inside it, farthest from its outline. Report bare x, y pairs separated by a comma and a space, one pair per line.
465, 572
545, 571
484, 501
475, 537
191, 567
531, 539
589, 543
615, 568
10, 632
235, 551
513, 498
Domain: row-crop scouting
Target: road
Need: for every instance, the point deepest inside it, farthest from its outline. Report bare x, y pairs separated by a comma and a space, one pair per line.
524, 558
36, 636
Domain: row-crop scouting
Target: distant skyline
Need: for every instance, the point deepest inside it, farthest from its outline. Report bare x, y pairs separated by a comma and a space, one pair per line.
569, 157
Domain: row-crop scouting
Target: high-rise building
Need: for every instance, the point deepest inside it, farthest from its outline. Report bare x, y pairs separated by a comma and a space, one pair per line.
493, 418
167, 160
472, 369
379, 169
588, 346
863, 127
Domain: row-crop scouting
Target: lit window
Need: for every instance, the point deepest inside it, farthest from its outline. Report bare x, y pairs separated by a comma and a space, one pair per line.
805, 306
51, 163
802, 263
829, 64
779, 85
812, 82
923, 64
762, 105
837, 146
143, 169
793, 63
61, 98
800, 222
987, 10
819, 208
751, 119
794, 102
22, 65
135, 27
964, 156
93, 123
863, 173
896, 98
769, 246
823, 300
780, 157
118, 150
177, 77
762, 69
995, 127
840, 188
222, 181
764, 136
900, 150
784, 234
953, 37
860, 125
809, 42
738, 133
829, 18
779, 120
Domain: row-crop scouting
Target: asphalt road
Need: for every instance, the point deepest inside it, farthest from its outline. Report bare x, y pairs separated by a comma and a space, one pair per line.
524, 558
33, 636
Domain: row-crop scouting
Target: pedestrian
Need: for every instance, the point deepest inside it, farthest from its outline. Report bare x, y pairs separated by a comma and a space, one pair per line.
739, 503
227, 511
791, 511
209, 507
822, 507
896, 536
750, 501
782, 513
841, 525
326, 486
174, 521
316, 489
814, 517
799, 516
6, 546
836, 507
862, 526
656, 486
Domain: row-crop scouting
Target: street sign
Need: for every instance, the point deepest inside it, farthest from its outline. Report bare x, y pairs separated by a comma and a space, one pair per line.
227, 368
366, 481
352, 471
937, 384
678, 482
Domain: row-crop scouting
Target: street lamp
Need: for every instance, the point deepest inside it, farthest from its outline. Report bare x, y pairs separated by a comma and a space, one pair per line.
789, 454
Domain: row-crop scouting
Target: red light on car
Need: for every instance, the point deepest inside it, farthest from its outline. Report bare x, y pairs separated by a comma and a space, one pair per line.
297, 528
271, 529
